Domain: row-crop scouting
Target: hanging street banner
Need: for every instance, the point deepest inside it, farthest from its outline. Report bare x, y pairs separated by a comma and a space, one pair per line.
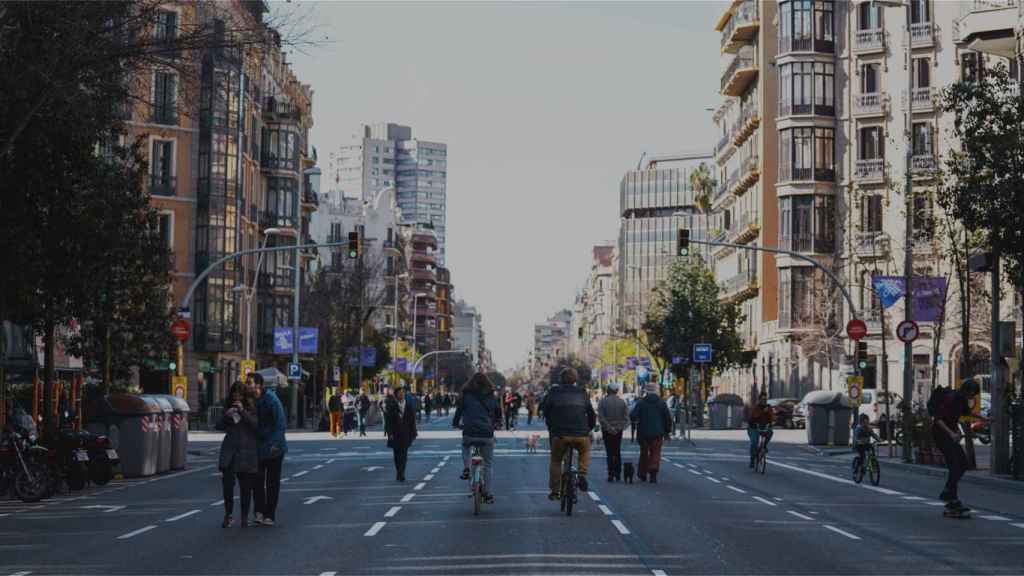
307, 340
929, 295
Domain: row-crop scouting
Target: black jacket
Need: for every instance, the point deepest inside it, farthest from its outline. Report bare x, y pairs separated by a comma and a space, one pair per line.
652, 417
363, 403
568, 412
401, 428
478, 412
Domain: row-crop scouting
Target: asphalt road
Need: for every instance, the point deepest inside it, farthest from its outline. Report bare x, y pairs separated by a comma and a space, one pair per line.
342, 512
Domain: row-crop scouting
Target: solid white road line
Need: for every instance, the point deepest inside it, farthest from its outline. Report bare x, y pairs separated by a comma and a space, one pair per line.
715, 480
994, 517
428, 477
735, 489
136, 532
419, 486
180, 516
605, 509
299, 474
594, 496
407, 497
620, 527
1018, 525
843, 532
394, 510
935, 503
765, 501
659, 573
799, 515
318, 466
678, 465
885, 491
374, 529
913, 498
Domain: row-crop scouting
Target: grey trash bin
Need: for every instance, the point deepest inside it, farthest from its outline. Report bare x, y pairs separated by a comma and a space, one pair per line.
828, 418
135, 427
179, 431
725, 412
163, 461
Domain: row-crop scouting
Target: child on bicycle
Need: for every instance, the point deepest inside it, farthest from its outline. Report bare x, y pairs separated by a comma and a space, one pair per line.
862, 436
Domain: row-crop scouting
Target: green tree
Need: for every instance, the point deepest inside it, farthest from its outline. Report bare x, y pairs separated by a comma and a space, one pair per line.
686, 310
571, 361
703, 184
986, 190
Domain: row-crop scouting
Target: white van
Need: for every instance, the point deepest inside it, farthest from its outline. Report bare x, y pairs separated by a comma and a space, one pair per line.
872, 403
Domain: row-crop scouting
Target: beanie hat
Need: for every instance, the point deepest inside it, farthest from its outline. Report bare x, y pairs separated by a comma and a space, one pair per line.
651, 388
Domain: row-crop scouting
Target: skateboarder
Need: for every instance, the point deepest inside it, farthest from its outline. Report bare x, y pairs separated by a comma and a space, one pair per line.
947, 407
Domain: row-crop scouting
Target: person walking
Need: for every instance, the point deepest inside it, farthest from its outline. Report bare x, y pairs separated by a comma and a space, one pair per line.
401, 429
531, 408
946, 408
427, 404
239, 452
653, 426
478, 415
334, 407
273, 447
613, 415
363, 411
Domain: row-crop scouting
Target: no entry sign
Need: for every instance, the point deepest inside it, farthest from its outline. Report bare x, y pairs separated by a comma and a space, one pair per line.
856, 329
181, 329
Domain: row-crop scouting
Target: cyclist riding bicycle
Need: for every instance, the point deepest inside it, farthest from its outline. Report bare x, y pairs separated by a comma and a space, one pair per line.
570, 417
478, 413
762, 416
862, 436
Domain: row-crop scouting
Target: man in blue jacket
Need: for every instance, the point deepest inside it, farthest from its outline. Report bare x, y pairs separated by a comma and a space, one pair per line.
273, 446
478, 413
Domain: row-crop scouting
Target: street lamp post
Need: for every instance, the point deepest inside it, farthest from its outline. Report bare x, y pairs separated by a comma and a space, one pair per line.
250, 291
415, 313
639, 307
394, 322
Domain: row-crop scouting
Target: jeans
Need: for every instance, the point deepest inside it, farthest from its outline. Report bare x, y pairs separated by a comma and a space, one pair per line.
613, 449
754, 436
401, 458
486, 452
246, 487
559, 446
362, 423
270, 476
956, 462
650, 456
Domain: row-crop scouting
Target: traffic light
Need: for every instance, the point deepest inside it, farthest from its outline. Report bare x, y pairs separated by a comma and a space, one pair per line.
862, 354
683, 242
353, 244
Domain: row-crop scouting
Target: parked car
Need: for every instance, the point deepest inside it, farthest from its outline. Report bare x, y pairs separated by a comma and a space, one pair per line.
784, 409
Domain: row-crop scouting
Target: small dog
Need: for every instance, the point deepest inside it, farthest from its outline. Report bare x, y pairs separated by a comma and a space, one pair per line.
531, 443
627, 472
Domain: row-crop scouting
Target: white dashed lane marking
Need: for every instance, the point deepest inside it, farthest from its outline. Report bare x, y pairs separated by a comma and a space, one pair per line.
843, 532
994, 517
394, 510
605, 510
419, 486
134, 533
715, 480
428, 477
407, 497
594, 496
180, 516
764, 501
298, 474
375, 528
658, 573
735, 489
620, 527
799, 515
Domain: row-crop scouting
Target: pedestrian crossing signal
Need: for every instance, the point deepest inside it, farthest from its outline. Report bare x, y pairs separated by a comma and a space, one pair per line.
353, 244
683, 242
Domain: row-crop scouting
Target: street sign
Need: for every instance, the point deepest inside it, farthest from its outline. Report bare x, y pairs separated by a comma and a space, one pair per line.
294, 371
702, 353
337, 373
856, 329
184, 312
401, 365
677, 359
307, 340
854, 386
908, 331
369, 357
181, 329
179, 386
247, 367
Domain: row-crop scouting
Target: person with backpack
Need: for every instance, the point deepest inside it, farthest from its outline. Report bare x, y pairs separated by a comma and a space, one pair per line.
946, 406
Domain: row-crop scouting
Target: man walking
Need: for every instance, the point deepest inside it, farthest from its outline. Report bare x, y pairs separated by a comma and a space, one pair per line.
570, 418
613, 415
363, 407
334, 407
653, 425
273, 446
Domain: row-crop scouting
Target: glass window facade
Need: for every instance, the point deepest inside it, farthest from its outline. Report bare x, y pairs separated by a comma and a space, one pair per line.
806, 25
807, 88
807, 154
807, 223
797, 288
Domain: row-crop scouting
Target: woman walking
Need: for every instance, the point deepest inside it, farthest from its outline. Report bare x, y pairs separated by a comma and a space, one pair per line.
272, 448
239, 452
401, 429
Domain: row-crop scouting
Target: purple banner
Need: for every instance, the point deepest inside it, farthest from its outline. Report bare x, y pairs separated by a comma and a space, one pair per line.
929, 295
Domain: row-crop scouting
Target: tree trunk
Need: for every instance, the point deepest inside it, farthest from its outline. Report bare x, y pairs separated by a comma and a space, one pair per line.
49, 339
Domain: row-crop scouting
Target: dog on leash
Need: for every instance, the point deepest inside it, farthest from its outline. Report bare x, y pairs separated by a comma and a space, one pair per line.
532, 441
627, 472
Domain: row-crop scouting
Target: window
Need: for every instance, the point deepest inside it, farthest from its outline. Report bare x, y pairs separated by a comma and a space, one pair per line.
165, 227
824, 224
869, 16
871, 214
824, 35
919, 12
972, 67
872, 143
803, 159
922, 72
796, 297
869, 76
806, 88
922, 139
806, 25
824, 89
802, 24
923, 219
824, 154
161, 168
165, 98
165, 26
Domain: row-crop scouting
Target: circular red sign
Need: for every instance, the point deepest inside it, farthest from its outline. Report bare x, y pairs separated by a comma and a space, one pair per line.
856, 329
181, 329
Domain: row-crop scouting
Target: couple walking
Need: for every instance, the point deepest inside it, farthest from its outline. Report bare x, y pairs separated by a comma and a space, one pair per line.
252, 450
653, 422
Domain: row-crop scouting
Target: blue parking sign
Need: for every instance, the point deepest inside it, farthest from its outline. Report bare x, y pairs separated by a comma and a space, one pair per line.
294, 371
702, 353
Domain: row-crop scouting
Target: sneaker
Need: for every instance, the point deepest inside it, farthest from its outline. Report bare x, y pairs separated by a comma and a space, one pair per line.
488, 498
583, 483
227, 521
465, 474
258, 519
268, 521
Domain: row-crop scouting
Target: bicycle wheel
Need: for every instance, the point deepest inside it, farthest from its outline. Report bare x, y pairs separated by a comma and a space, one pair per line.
762, 461
858, 469
477, 497
875, 470
570, 497
564, 490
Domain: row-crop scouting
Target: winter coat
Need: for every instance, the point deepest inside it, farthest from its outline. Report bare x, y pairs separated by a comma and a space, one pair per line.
613, 414
478, 412
239, 450
568, 411
652, 417
272, 423
401, 427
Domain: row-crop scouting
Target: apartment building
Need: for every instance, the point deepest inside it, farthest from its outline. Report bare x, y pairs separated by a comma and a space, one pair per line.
550, 341
594, 309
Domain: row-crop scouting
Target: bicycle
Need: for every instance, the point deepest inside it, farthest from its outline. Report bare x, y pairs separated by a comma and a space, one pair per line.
761, 455
476, 478
570, 481
872, 466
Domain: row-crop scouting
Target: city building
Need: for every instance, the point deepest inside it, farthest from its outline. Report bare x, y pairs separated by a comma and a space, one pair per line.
551, 341
654, 203
385, 155
594, 310
468, 332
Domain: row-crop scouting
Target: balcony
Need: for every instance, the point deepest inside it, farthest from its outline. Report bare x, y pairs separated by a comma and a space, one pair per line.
870, 170
923, 99
923, 164
723, 189
725, 141
742, 286
740, 73
873, 104
745, 229
988, 27
922, 34
423, 275
275, 110
871, 244
163, 185
867, 41
750, 119
424, 257
741, 28
750, 172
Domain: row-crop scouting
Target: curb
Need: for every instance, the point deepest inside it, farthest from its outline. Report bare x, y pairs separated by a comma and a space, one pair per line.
825, 451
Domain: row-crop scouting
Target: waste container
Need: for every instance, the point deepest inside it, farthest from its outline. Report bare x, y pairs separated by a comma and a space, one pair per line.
134, 433
179, 430
163, 460
828, 418
725, 411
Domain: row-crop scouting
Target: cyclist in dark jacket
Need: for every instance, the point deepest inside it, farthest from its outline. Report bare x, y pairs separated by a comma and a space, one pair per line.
478, 415
570, 418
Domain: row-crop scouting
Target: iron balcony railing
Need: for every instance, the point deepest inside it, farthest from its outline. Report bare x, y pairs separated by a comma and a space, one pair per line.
744, 59
163, 185
869, 169
921, 34
868, 104
869, 40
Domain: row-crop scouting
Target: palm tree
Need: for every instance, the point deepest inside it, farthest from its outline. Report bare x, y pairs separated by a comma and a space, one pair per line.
703, 184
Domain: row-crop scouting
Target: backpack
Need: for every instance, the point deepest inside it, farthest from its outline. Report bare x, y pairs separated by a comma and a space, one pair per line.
935, 400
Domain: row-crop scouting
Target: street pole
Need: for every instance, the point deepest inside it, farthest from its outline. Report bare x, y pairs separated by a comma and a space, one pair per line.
362, 293
293, 389
394, 322
1000, 455
908, 247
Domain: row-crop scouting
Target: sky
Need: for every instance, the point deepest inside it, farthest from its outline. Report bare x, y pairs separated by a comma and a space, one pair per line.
543, 106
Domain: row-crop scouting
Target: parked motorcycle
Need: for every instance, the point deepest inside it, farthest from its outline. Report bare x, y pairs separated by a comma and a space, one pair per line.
102, 458
23, 464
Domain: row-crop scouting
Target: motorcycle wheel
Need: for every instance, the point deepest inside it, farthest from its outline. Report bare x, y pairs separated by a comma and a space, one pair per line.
32, 489
100, 473
77, 475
